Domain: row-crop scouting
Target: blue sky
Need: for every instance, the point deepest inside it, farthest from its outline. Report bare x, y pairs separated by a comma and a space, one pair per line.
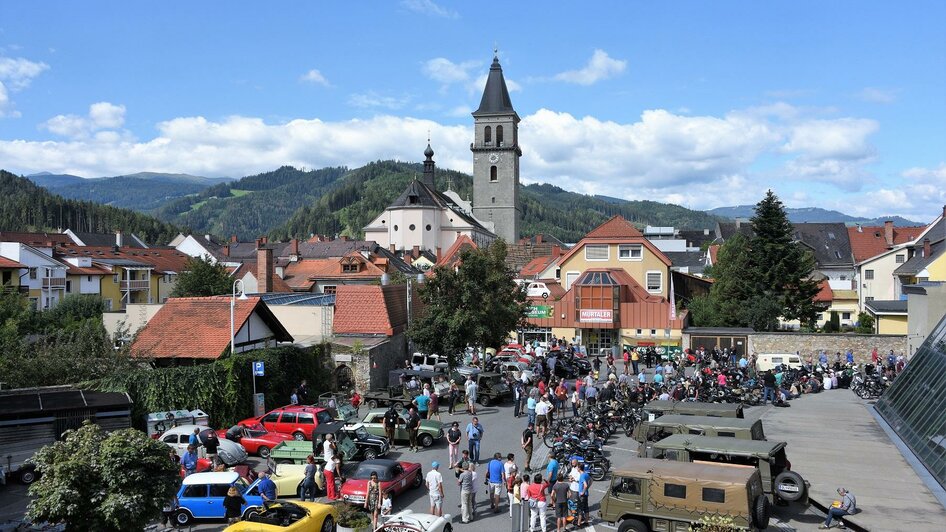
832, 104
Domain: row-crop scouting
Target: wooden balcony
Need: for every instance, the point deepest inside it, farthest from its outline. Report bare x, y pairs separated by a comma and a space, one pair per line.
54, 283
135, 285
7, 289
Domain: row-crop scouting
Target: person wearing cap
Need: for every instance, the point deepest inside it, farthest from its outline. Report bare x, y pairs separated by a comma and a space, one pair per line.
847, 506
435, 489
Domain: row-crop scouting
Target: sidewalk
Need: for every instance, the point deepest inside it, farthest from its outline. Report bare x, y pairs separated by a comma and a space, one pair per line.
834, 441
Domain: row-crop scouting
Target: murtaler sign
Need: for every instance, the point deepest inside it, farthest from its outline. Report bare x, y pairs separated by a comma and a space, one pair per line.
595, 316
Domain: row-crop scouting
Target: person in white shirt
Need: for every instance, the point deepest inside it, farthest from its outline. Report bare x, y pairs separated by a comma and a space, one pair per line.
573, 476
435, 489
542, 409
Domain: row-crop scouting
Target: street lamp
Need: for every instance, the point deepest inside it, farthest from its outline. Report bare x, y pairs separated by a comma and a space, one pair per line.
233, 299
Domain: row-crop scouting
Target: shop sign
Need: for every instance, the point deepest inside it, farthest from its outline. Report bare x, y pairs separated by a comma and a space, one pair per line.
539, 311
595, 316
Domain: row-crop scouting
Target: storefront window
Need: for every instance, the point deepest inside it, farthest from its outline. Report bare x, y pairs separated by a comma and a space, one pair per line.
597, 339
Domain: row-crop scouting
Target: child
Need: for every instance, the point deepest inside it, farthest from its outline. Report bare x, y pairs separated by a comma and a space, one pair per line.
386, 503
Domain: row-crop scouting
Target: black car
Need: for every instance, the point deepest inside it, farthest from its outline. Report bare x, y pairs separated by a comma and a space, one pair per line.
369, 446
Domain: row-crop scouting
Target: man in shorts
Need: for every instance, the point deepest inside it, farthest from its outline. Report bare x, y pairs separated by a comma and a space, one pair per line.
527, 437
496, 474
560, 500
584, 486
435, 489
541, 415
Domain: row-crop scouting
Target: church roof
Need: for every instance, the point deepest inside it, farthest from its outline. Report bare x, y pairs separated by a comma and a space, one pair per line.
420, 194
495, 96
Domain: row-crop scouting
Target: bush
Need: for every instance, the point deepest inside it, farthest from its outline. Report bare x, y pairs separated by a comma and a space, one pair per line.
713, 523
351, 517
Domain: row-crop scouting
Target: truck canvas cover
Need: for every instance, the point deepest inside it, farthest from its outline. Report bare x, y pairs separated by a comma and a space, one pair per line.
733, 481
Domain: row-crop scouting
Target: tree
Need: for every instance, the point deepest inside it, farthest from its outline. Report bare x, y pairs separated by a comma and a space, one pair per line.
865, 323
477, 304
201, 277
97, 481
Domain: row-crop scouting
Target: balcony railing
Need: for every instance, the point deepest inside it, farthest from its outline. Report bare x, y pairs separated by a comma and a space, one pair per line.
135, 285
7, 289
54, 283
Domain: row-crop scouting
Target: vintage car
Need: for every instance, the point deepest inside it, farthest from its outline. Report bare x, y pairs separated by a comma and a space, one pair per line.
285, 516
409, 521
295, 420
395, 477
255, 439
201, 497
229, 452
430, 431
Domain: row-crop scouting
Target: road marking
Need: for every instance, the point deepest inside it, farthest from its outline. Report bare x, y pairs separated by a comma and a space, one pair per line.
620, 449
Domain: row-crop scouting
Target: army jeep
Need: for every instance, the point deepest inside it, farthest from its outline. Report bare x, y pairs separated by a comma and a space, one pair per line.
648, 494
649, 431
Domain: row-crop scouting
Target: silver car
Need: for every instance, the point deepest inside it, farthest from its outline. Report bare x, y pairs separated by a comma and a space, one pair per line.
229, 452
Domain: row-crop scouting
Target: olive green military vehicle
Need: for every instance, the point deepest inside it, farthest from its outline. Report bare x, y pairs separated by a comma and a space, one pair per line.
778, 479
690, 408
649, 431
648, 495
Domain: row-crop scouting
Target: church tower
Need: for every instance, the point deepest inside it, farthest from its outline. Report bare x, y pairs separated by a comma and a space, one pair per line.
496, 155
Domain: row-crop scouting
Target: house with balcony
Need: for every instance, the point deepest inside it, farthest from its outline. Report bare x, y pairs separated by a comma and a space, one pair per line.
878, 252
10, 271
42, 277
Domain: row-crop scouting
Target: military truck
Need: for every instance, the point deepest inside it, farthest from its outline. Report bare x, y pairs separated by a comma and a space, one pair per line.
779, 481
649, 431
656, 409
491, 386
398, 392
648, 494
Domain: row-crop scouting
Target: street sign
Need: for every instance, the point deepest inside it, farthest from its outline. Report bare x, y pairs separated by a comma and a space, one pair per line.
258, 369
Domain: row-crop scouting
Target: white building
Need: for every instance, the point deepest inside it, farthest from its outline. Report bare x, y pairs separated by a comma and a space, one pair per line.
45, 276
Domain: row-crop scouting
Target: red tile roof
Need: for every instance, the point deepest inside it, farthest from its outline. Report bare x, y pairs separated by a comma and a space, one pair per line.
199, 327
452, 256
370, 309
7, 263
536, 266
302, 274
825, 294
35, 239
713, 253
616, 227
869, 241
162, 259
249, 266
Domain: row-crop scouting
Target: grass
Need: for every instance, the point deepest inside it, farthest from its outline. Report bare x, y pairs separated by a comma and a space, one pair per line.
237, 193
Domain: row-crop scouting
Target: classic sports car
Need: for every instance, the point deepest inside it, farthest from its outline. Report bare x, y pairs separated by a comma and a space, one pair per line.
229, 452
255, 438
408, 521
285, 516
394, 477
429, 432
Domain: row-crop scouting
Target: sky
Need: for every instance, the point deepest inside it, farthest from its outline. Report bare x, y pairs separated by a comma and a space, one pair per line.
839, 105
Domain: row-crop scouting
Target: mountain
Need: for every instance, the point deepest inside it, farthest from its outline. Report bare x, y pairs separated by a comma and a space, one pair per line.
811, 214
143, 191
29, 207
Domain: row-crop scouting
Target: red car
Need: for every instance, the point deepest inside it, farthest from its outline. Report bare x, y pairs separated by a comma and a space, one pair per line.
395, 477
295, 420
255, 439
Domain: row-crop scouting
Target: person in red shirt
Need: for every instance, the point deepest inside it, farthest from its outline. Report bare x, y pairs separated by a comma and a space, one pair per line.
537, 501
542, 388
355, 400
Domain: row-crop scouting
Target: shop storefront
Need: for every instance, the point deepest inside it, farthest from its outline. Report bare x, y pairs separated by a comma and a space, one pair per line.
597, 340
542, 335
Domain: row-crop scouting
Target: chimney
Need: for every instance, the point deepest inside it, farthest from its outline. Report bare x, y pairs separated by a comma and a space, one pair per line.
415, 252
556, 251
259, 243
294, 247
226, 251
265, 240
926, 247
118, 239
888, 232
439, 254
233, 239
264, 270
392, 249
538, 238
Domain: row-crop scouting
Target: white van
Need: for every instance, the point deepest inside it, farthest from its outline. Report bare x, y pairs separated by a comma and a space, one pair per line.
767, 361
424, 362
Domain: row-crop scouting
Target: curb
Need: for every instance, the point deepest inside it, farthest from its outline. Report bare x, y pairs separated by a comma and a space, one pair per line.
847, 522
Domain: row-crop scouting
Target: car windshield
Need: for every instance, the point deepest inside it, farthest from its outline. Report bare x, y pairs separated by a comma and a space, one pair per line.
323, 417
365, 469
241, 485
360, 433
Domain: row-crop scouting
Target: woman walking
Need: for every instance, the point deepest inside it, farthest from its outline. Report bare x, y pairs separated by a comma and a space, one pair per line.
373, 499
308, 483
453, 439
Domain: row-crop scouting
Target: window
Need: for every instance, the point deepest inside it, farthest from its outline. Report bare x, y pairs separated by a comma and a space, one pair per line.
869, 275
493, 201
869, 298
412, 227
488, 135
220, 490
630, 252
725, 434
32, 273
901, 258
88, 278
845, 315
570, 278
819, 316
330, 289
640, 332
428, 227
195, 490
170, 439
306, 419
597, 252
493, 176
655, 281
115, 278
677, 491
68, 285
288, 417
271, 417
350, 268
629, 486
395, 227
499, 135
108, 304
653, 332
714, 495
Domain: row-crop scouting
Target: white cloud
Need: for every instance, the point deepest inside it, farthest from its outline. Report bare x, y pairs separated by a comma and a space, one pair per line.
446, 71
600, 67
460, 110
315, 77
875, 95
428, 7
16, 75
373, 99
102, 115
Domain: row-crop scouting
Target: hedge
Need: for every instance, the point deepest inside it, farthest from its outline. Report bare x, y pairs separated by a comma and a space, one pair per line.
223, 388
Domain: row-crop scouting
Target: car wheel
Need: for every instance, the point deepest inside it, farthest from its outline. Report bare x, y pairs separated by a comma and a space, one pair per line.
372, 404
371, 454
183, 518
263, 451
426, 440
761, 512
298, 436
251, 513
27, 476
484, 400
328, 525
790, 486
632, 525
418, 480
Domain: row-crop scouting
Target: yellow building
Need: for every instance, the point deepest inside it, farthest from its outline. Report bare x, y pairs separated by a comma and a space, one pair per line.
890, 316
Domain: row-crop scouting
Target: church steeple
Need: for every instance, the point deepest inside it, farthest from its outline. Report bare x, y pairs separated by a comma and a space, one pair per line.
429, 166
495, 96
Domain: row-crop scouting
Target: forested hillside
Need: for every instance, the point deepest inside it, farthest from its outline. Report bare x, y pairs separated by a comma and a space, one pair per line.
28, 207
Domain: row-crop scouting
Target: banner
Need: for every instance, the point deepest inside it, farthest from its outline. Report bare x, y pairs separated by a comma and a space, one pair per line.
595, 316
539, 311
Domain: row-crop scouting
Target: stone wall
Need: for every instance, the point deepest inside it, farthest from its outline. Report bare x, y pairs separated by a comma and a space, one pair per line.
862, 344
371, 365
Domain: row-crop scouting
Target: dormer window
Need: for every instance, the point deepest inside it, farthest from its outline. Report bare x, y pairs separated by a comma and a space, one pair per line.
412, 200
350, 268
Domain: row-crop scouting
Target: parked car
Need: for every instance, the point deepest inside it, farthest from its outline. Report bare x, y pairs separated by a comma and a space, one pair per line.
255, 439
295, 420
537, 289
395, 477
229, 452
201, 497
421, 361
369, 446
517, 370
430, 431
285, 516
409, 521
287, 477
492, 388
